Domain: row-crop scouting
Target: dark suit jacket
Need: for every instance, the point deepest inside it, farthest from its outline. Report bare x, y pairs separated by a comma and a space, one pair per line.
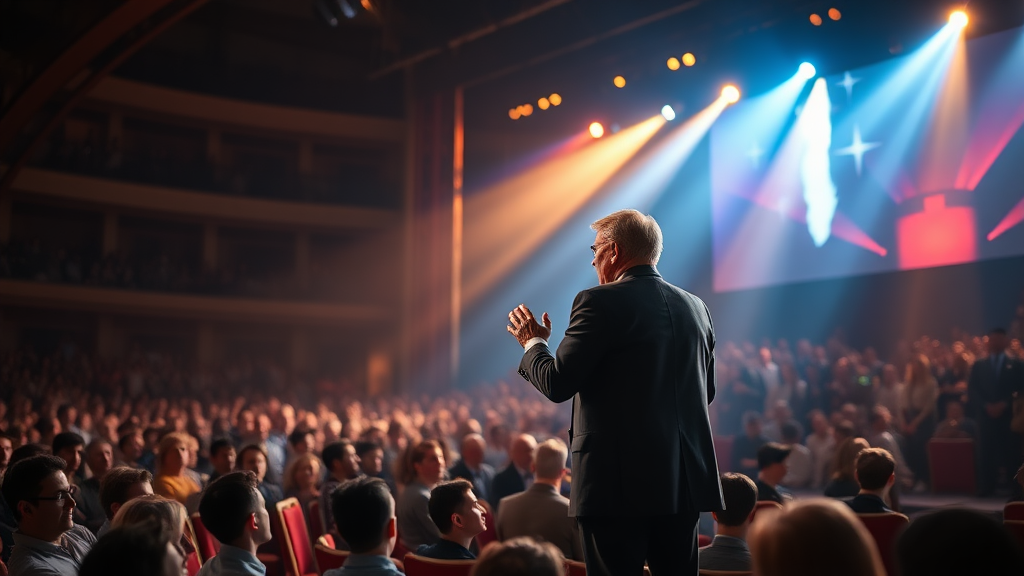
506, 483
481, 482
638, 362
867, 504
984, 386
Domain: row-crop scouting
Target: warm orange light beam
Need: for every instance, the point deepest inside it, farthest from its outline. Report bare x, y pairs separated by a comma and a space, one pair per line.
949, 131
510, 220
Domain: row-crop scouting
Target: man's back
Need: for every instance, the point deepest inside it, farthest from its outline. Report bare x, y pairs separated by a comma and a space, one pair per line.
542, 514
725, 553
34, 557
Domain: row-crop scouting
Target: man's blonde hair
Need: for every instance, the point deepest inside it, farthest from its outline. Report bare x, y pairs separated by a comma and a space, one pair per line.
550, 458
637, 235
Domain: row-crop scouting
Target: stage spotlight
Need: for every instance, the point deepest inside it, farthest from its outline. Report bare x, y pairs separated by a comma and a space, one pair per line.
673, 63
731, 94
959, 19
668, 112
555, 99
807, 71
596, 129
619, 82
543, 104
689, 59
514, 113
834, 14
815, 19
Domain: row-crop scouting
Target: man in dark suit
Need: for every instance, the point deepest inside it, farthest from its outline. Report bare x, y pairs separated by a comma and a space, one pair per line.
519, 475
472, 467
876, 474
638, 362
990, 390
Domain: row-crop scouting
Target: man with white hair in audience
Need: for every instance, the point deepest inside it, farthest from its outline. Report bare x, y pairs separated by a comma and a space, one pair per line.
541, 512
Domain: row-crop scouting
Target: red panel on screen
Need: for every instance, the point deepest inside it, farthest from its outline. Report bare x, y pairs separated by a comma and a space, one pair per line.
937, 236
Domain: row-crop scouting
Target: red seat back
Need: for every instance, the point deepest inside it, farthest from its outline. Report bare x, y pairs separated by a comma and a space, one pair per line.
192, 563
1013, 511
723, 452
884, 529
327, 558
574, 568
316, 522
420, 566
703, 540
951, 462
206, 544
296, 548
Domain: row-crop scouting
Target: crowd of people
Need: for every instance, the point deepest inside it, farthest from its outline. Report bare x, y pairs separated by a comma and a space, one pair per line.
443, 470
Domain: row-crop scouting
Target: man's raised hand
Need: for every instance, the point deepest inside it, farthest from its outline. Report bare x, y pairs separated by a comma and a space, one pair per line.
523, 325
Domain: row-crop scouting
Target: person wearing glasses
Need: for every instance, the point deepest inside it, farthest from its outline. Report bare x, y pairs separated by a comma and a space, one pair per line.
47, 542
638, 362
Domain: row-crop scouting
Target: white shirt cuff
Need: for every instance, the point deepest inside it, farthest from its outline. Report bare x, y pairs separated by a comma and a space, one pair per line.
533, 342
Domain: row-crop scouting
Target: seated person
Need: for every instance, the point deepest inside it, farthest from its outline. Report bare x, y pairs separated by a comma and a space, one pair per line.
799, 464
843, 484
956, 424
99, 456
519, 557
745, 447
423, 470
771, 463
222, 457
130, 551
459, 517
47, 541
172, 479
813, 537
728, 551
876, 474
957, 541
254, 459
364, 514
233, 510
119, 485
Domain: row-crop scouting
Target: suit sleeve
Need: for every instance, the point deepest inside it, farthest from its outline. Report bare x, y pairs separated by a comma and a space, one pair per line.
587, 339
712, 377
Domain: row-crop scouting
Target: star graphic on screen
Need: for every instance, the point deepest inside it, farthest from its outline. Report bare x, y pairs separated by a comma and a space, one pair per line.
848, 82
755, 154
857, 149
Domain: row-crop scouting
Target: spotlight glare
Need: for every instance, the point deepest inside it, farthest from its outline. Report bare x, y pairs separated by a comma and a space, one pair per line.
689, 59
815, 19
619, 81
596, 129
514, 113
555, 99
668, 112
731, 94
543, 104
527, 109
673, 63
834, 13
959, 19
807, 71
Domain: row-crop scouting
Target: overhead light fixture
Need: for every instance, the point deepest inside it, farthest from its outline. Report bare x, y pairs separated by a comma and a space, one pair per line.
596, 130
731, 94
689, 59
619, 81
668, 112
807, 71
959, 19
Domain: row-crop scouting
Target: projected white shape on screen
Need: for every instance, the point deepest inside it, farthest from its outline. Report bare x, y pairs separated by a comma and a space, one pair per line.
857, 149
815, 166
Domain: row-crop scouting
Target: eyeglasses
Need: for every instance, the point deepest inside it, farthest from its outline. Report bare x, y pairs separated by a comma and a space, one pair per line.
61, 496
594, 247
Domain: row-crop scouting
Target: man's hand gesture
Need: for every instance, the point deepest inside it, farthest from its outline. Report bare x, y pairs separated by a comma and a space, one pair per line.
524, 326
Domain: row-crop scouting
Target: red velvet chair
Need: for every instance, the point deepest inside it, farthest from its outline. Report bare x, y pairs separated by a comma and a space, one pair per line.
420, 566
884, 528
206, 544
951, 462
723, 451
316, 521
1013, 511
703, 540
574, 568
296, 548
327, 558
192, 564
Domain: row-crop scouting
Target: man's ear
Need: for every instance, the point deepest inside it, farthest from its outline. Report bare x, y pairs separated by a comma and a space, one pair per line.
457, 520
251, 523
715, 516
25, 508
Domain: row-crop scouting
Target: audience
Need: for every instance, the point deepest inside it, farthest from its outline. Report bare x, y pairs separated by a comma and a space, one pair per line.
472, 467
517, 476
771, 464
233, 510
424, 471
916, 418
876, 473
47, 540
728, 551
6, 448
171, 515
119, 485
541, 511
811, 538
459, 517
746, 447
519, 557
843, 483
956, 424
69, 447
99, 457
140, 549
953, 542
300, 480
822, 446
222, 457
172, 479
364, 513
342, 464
800, 462
254, 459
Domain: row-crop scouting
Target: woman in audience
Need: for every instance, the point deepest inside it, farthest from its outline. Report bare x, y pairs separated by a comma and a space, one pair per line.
300, 480
843, 483
916, 417
813, 538
425, 468
172, 479
140, 549
170, 514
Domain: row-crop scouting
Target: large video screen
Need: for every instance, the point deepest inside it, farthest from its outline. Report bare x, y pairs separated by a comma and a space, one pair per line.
914, 162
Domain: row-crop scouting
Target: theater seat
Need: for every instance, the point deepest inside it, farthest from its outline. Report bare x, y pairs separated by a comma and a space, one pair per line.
1013, 511
327, 558
295, 545
316, 521
703, 540
421, 566
951, 462
884, 528
574, 568
206, 544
